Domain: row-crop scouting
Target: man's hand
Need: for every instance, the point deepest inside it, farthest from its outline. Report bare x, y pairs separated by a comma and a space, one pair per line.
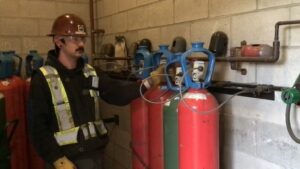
64, 163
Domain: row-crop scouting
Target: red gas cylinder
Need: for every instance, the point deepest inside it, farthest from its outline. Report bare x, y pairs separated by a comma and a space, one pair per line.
198, 132
34, 160
13, 90
139, 134
156, 154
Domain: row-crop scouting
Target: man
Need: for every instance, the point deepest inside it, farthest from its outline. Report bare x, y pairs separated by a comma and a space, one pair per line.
65, 125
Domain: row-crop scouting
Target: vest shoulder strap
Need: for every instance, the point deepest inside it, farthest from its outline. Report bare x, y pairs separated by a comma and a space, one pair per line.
59, 98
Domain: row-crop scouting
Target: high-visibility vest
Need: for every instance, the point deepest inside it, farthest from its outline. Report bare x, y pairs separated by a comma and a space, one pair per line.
68, 132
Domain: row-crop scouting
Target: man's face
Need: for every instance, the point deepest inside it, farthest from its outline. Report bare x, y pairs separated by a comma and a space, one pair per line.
72, 46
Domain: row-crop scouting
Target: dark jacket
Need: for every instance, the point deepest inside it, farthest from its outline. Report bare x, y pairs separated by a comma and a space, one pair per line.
42, 119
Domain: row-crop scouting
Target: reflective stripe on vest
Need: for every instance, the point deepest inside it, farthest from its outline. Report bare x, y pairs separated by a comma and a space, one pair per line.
67, 131
88, 70
59, 98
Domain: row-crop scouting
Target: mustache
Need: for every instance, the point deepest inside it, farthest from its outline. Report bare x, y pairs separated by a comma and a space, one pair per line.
80, 49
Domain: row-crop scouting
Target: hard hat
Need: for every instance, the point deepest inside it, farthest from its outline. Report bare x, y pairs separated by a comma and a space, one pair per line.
178, 45
68, 25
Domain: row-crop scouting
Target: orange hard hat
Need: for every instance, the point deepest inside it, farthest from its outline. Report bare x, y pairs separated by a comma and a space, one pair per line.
68, 25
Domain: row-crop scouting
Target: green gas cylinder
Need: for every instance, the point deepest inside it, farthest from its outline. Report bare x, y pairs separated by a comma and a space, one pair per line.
4, 151
171, 133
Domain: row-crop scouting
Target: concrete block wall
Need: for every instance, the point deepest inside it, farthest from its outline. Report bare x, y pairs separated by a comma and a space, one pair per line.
253, 131
25, 23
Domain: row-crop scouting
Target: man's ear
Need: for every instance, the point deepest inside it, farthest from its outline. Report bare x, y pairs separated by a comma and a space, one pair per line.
58, 42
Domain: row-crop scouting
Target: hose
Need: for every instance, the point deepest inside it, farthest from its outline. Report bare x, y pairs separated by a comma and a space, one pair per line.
288, 124
211, 110
137, 71
181, 96
151, 101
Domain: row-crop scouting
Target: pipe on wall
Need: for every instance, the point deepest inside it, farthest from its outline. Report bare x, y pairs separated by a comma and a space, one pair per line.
268, 59
93, 30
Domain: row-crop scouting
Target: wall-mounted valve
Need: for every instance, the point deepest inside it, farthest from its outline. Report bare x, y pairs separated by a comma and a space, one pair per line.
291, 96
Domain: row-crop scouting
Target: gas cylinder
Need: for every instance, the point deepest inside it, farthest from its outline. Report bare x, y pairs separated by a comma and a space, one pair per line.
4, 151
198, 118
16, 62
143, 61
170, 114
139, 114
12, 88
155, 120
170, 122
157, 95
33, 62
7, 65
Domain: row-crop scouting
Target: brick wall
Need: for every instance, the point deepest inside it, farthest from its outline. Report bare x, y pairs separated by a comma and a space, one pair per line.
25, 23
254, 135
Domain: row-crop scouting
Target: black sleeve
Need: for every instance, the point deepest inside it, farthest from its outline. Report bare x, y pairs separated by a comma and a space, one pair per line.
40, 120
117, 92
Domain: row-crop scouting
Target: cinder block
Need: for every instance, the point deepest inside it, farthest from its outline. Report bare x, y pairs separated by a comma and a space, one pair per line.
275, 145
121, 138
109, 150
143, 2
11, 43
9, 8
187, 10
124, 117
99, 9
24, 27
42, 44
239, 133
125, 158
81, 10
152, 34
295, 30
108, 162
168, 33
109, 7
225, 7
109, 39
203, 30
67, 0
87, 49
160, 13
138, 18
232, 159
106, 24
276, 74
82, 1
131, 37
126, 4
37, 9
119, 22
271, 3
266, 110
117, 165
261, 29
45, 26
